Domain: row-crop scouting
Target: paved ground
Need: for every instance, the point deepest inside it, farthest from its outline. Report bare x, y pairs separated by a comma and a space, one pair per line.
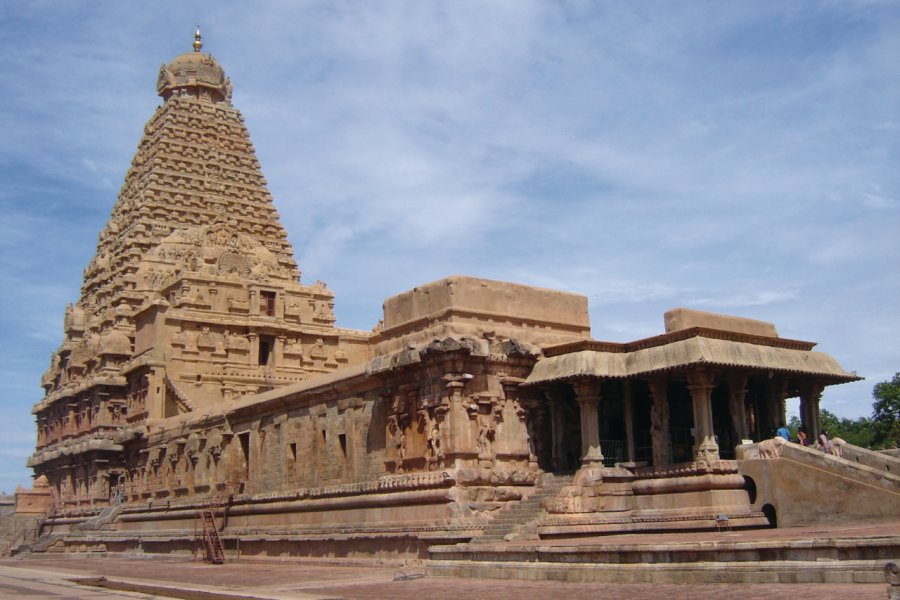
306, 581
38, 578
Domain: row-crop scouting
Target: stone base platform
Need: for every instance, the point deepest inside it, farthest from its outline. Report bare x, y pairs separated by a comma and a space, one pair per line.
570, 526
796, 555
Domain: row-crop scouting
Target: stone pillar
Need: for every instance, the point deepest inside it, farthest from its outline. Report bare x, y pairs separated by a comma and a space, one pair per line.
253, 357
629, 419
700, 385
659, 422
809, 410
587, 393
776, 391
556, 431
737, 391
279, 350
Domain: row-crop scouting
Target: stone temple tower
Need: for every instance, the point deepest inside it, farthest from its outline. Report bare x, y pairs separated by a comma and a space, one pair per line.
192, 299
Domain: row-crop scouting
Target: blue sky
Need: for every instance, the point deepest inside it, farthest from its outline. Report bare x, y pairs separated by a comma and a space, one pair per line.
737, 157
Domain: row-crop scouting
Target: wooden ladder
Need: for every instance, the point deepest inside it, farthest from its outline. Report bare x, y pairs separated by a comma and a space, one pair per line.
215, 550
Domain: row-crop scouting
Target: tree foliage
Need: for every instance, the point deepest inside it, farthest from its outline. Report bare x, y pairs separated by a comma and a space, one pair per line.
886, 413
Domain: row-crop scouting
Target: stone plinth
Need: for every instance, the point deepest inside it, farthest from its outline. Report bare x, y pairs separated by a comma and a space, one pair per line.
459, 305
679, 319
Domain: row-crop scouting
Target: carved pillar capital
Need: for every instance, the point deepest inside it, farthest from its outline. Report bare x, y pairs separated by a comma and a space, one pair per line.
510, 387
587, 390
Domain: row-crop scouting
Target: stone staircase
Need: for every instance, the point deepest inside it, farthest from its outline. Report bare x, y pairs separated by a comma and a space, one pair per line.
100, 521
519, 521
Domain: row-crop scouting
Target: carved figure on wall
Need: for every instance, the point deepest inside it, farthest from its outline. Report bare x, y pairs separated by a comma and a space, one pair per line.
219, 340
234, 341
485, 437
205, 339
433, 446
401, 445
295, 347
323, 312
318, 351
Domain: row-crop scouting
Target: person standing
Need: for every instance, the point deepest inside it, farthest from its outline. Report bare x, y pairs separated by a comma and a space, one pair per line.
784, 432
824, 443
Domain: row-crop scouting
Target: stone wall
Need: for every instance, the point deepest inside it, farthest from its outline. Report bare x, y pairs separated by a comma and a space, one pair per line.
806, 487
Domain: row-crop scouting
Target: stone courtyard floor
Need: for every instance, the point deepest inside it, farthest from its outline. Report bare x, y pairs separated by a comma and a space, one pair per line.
274, 579
304, 581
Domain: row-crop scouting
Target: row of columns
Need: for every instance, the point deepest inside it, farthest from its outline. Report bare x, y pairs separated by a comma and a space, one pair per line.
700, 384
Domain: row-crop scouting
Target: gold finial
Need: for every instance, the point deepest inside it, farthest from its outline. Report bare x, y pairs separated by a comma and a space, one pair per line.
198, 40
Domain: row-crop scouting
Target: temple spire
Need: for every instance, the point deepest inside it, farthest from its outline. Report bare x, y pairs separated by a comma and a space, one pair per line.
198, 40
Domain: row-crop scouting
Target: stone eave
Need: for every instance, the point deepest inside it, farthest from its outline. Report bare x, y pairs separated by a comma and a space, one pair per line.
682, 351
667, 338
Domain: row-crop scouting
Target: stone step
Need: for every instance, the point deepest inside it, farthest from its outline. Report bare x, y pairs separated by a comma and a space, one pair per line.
517, 517
753, 556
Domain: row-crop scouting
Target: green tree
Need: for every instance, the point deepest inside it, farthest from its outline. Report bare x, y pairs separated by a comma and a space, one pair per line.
886, 413
858, 432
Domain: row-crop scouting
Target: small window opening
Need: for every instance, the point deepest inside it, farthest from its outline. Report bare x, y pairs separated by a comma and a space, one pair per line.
342, 438
293, 450
267, 304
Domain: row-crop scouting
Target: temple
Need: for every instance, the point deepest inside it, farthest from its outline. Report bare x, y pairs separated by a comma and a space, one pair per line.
199, 379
